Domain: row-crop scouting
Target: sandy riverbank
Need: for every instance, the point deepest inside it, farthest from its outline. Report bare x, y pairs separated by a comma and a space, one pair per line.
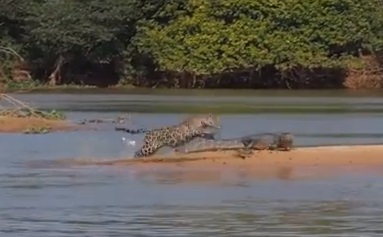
10, 124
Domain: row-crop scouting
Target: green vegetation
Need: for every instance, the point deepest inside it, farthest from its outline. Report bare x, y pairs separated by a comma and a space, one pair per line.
192, 43
29, 112
37, 130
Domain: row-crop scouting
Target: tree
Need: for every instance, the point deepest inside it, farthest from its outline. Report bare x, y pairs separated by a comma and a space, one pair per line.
73, 31
214, 37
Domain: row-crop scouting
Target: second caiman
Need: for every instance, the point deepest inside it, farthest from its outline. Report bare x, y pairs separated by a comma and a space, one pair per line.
263, 141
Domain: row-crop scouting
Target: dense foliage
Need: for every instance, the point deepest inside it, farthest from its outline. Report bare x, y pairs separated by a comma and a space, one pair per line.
190, 43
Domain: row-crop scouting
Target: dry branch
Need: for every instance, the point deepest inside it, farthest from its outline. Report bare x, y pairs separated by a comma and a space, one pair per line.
11, 51
10, 106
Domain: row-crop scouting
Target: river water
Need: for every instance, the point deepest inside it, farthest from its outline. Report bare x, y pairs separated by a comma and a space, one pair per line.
108, 201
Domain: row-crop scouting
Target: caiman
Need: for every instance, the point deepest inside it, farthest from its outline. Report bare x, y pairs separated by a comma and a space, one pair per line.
263, 141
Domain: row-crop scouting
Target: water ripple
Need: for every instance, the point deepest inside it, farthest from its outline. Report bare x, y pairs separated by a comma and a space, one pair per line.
72, 202
312, 219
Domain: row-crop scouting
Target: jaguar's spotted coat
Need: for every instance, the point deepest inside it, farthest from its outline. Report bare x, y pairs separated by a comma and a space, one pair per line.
177, 135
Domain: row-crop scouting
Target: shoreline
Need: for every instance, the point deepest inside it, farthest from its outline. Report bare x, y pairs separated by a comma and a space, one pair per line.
218, 92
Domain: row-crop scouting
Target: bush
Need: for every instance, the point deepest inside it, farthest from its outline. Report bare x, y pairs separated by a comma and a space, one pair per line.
213, 37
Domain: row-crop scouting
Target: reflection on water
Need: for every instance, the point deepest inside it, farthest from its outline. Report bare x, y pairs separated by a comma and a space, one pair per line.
131, 201
117, 202
310, 218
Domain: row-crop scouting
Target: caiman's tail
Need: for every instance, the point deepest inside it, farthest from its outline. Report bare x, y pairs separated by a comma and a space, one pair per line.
214, 145
132, 131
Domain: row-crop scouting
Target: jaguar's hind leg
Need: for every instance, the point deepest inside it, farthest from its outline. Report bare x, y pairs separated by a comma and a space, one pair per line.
146, 150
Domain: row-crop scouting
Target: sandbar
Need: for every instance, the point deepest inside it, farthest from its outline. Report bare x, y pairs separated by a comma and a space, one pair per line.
360, 155
304, 162
9, 124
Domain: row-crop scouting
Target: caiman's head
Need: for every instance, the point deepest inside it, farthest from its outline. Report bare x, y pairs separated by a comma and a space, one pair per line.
285, 141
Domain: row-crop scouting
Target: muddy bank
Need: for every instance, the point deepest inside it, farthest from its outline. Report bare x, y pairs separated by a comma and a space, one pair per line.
9, 124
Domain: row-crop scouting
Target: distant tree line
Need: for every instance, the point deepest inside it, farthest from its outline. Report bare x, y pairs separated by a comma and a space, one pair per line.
193, 43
